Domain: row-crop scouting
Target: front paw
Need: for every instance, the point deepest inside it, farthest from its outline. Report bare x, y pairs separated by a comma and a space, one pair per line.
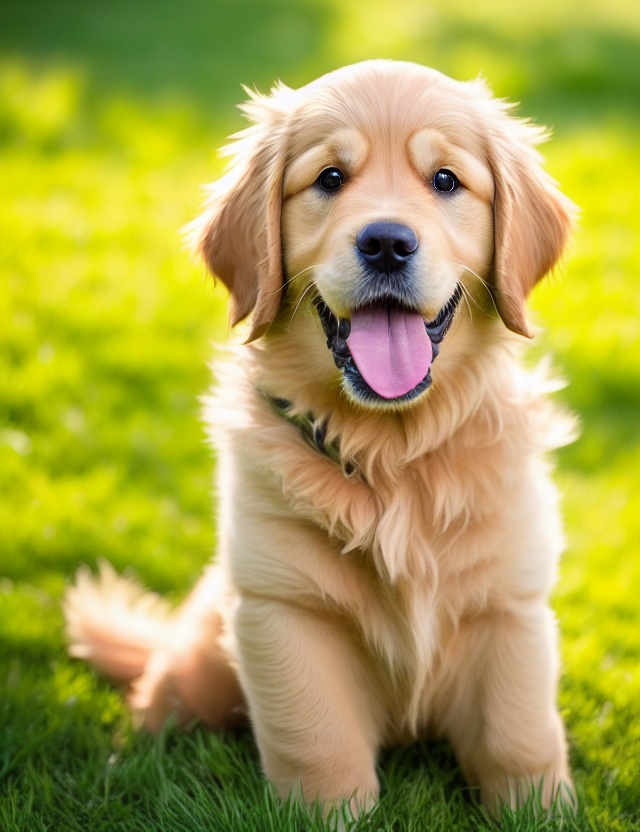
549, 791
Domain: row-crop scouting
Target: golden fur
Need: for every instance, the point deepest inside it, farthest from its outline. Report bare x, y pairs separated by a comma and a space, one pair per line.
402, 593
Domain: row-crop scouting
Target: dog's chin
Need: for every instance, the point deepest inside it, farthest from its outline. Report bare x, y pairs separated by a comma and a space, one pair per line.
337, 331
357, 389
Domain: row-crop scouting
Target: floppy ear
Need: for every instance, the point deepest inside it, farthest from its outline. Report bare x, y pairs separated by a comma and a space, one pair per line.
532, 219
238, 235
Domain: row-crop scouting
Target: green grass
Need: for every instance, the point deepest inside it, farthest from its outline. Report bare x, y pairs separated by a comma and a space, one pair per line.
109, 116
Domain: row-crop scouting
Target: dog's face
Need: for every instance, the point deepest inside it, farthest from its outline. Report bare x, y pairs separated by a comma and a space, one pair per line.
391, 207
387, 198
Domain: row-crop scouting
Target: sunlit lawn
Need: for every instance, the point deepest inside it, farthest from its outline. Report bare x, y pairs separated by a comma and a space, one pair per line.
109, 116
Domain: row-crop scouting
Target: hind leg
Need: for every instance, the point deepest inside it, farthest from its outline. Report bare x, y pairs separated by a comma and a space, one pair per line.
191, 676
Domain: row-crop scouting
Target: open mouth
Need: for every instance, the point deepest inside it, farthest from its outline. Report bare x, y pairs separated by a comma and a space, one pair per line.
385, 351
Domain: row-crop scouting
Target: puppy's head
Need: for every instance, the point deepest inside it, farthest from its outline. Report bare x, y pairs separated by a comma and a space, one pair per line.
379, 197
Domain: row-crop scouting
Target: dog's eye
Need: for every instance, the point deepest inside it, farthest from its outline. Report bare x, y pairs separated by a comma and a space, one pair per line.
331, 179
445, 181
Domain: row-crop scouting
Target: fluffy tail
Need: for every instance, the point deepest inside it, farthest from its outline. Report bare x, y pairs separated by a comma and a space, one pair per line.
113, 623
173, 663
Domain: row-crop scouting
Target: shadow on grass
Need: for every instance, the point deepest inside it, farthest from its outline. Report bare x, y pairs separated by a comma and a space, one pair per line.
200, 50
204, 50
563, 77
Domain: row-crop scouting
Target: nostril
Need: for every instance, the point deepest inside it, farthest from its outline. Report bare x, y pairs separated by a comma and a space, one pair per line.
405, 246
369, 245
386, 245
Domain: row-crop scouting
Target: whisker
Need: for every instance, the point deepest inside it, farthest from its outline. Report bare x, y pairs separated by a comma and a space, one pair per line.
467, 297
486, 285
291, 279
312, 285
473, 274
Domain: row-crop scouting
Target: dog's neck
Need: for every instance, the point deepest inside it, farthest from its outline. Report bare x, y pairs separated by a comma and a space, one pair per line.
313, 431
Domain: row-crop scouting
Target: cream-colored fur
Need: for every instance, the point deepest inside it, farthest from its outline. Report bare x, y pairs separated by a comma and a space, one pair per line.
408, 598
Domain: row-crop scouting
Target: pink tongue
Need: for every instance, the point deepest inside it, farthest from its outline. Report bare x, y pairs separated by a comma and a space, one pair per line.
391, 349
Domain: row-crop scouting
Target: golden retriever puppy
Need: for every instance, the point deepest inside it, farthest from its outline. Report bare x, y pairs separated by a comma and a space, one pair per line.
388, 529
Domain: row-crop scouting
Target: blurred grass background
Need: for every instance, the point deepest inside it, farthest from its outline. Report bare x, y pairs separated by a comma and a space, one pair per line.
110, 114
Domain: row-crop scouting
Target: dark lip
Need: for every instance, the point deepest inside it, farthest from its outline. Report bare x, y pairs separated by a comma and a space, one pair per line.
337, 331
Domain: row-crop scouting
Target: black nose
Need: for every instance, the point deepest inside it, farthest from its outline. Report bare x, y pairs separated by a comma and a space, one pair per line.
387, 246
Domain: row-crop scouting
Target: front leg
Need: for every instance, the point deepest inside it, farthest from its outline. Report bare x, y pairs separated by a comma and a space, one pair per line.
310, 703
503, 720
